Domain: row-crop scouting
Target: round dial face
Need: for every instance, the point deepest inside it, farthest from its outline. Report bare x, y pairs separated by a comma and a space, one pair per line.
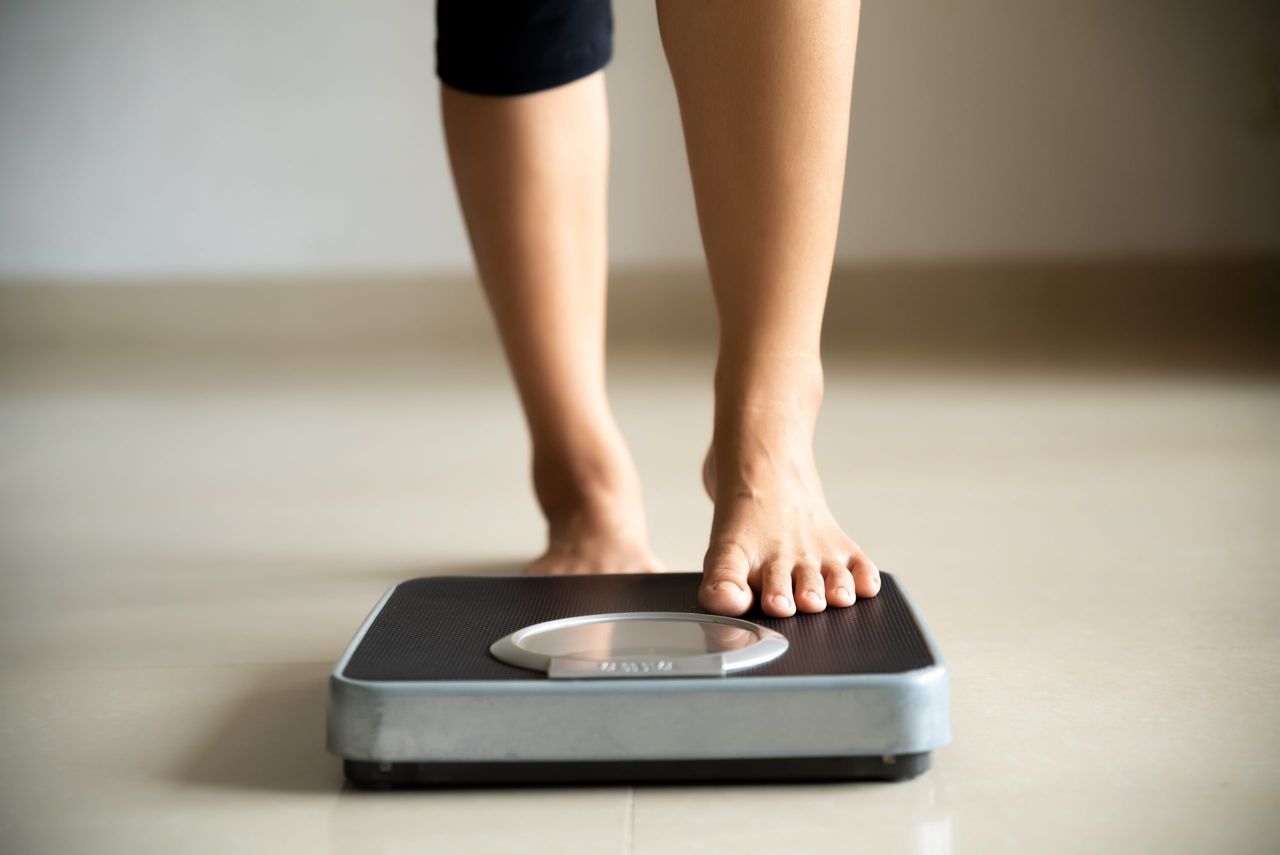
636, 638
628, 644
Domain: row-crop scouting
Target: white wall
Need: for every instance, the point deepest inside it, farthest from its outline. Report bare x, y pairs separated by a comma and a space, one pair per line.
216, 137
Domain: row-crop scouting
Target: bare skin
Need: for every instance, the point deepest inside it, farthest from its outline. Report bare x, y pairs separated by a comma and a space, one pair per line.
532, 177
764, 90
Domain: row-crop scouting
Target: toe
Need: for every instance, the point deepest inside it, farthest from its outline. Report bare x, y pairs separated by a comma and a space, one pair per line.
544, 566
776, 587
839, 584
724, 589
653, 565
810, 594
866, 576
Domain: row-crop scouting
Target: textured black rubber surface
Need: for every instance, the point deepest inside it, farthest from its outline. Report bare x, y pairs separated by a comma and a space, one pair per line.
380, 776
440, 628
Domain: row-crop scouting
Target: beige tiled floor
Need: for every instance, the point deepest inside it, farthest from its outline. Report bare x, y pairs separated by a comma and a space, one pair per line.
188, 542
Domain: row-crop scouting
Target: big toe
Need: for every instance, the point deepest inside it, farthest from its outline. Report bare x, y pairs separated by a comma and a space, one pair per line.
724, 589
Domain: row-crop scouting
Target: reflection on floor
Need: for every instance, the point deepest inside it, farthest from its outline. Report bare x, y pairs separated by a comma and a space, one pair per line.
189, 541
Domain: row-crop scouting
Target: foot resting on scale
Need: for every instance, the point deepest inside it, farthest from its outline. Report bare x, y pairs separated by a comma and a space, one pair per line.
773, 536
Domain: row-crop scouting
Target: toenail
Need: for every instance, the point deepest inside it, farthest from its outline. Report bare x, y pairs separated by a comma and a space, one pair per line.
727, 586
843, 592
781, 601
815, 596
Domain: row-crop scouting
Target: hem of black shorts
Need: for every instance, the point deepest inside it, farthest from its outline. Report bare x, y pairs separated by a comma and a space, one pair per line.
573, 68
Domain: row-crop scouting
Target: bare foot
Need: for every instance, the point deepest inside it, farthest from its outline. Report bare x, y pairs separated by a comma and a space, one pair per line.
595, 516
773, 536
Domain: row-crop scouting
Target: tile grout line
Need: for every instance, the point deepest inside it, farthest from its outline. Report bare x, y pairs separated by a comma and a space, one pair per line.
629, 824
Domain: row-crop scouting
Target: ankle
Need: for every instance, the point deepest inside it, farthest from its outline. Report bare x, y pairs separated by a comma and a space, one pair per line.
596, 480
773, 401
765, 382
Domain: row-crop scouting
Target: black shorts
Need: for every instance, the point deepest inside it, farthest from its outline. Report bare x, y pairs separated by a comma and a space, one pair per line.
513, 47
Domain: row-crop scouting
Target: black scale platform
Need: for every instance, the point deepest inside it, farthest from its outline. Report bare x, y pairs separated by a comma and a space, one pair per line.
440, 628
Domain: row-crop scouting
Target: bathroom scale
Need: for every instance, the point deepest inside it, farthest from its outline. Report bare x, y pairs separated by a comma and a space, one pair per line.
462, 680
